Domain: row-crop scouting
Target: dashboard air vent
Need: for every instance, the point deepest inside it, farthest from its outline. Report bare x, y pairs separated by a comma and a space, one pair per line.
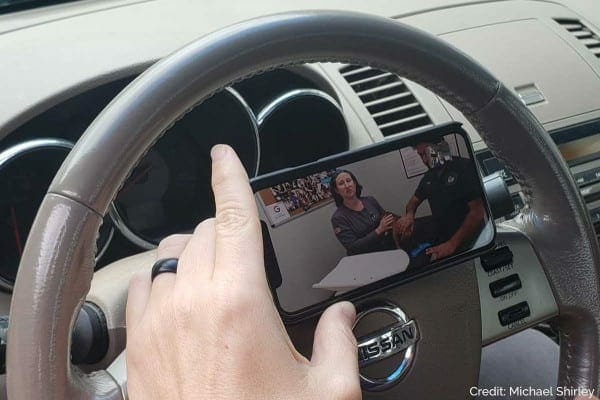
582, 33
387, 98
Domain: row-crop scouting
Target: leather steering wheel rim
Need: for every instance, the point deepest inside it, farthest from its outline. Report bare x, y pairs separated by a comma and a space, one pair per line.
57, 265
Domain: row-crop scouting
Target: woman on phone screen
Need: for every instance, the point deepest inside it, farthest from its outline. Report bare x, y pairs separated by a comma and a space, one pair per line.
360, 223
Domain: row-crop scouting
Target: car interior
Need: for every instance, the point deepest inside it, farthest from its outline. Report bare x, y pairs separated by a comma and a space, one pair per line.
109, 109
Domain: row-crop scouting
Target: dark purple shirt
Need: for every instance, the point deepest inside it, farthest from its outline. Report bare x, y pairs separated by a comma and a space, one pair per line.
356, 229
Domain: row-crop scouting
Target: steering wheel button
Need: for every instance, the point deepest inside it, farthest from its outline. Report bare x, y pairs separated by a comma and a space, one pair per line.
514, 313
496, 259
505, 285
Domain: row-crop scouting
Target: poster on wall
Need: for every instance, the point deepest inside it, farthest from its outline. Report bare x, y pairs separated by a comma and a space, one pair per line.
414, 166
277, 213
296, 197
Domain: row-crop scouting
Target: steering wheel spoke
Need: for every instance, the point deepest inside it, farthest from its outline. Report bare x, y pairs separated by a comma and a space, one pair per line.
118, 371
513, 288
98, 385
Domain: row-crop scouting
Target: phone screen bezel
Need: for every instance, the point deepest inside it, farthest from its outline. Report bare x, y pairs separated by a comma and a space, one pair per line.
363, 153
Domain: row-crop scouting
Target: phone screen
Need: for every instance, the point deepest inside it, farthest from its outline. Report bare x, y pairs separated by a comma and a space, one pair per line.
353, 221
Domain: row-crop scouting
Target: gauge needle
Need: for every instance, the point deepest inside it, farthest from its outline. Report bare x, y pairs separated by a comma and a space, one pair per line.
16, 230
136, 178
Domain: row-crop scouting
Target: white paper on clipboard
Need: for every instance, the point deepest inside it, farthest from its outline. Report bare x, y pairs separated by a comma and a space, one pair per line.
412, 162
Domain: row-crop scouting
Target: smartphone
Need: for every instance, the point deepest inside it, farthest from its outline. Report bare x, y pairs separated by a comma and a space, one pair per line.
362, 221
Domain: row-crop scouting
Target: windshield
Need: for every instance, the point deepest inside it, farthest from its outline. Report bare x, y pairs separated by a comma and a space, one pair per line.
8, 6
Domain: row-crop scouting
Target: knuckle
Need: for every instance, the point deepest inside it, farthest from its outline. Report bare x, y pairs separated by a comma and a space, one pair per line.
209, 222
232, 216
240, 299
138, 281
173, 241
236, 302
170, 240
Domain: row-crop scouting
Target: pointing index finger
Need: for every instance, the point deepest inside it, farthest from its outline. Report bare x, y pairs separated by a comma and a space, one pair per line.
239, 248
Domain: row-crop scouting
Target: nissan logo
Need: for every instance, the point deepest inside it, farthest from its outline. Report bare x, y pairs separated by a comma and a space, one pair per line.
399, 337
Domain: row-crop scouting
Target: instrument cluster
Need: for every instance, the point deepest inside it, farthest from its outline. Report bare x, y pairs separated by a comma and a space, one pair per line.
273, 121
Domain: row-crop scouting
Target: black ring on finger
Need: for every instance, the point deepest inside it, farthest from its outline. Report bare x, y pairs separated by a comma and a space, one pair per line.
164, 265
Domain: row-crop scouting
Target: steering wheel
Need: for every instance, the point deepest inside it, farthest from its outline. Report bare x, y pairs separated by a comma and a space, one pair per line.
57, 264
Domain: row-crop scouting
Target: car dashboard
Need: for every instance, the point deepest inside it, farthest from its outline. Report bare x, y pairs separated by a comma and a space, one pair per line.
63, 65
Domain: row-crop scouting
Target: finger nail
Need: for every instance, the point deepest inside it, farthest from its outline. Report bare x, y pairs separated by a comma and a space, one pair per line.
348, 311
218, 152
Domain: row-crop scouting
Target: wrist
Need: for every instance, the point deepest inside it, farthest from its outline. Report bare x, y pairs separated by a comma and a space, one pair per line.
453, 243
378, 231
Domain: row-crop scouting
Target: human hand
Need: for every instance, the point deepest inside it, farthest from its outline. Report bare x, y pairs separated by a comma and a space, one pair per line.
442, 250
405, 225
385, 223
211, 331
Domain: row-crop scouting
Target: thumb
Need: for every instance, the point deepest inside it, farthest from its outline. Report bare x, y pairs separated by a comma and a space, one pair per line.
335, 345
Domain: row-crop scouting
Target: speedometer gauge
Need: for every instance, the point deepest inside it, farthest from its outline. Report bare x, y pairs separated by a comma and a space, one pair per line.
26, 171
169, 191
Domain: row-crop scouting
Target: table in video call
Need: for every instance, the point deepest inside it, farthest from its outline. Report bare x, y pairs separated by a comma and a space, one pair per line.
359, 270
